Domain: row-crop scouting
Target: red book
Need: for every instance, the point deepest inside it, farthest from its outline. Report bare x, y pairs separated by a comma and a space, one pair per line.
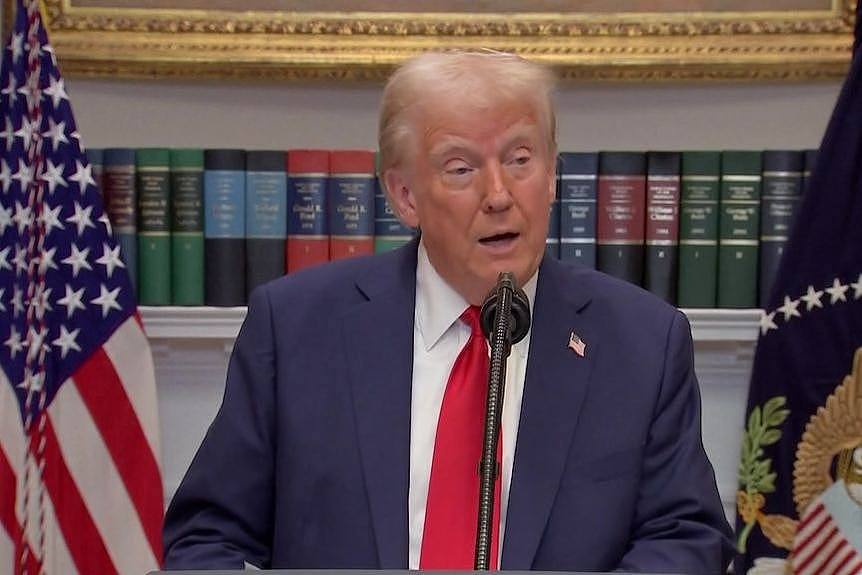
621, 218
351, 203
307, 225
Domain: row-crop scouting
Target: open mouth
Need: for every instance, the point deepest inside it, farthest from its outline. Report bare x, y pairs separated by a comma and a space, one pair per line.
498, 239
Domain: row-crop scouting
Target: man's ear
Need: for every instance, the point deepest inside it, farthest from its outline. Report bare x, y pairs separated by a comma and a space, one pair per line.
401, 197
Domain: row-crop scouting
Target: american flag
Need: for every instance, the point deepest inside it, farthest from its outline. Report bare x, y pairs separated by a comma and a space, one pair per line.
80, 486
822, 545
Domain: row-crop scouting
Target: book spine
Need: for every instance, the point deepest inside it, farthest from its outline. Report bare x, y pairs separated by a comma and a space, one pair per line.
698, 232
121, 205
307, 230
810, 162
552, 240
662, 224
739, 220
187, 227
782, 192
578, 176
266, 217
389, 232
154, 226
224, 227
621, 203
351, 204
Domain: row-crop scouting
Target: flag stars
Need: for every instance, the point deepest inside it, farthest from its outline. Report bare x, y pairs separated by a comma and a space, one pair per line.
36, 342
46, 261
72, 301
66, 341
107, 299
9, 135
20, 259
789, 309
857, 287
767, 322
17, 303
50, 218
41, 301
6, 219
52, 175
11, 90
24, 175
812, 298
25, 132
5, 176
78, 260
57, 91
2, 305
16, 45
14, 343
56, 133
110, 259
4, 258
83, 176
837, 292
23, 217
107, 223
81, 218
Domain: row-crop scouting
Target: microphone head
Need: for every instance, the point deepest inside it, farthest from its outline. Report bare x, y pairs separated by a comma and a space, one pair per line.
519, 320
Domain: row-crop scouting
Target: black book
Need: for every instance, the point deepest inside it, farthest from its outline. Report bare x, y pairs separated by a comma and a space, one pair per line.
224, 227
779, 204
265, 216
662, 224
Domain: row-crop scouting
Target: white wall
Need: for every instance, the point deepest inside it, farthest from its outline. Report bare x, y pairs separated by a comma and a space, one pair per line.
591, 117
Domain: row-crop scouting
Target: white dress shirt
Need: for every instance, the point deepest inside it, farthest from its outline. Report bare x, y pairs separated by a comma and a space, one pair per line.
438, 337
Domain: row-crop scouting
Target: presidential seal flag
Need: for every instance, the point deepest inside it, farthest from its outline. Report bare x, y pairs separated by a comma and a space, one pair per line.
80, 487
801, 463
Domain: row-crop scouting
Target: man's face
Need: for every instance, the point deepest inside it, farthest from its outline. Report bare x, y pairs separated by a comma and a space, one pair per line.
480, 186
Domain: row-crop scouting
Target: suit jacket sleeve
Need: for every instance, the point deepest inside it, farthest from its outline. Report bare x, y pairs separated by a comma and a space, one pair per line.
679, 524
221, 515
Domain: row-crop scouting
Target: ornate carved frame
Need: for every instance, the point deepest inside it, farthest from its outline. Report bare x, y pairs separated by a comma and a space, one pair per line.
141, 42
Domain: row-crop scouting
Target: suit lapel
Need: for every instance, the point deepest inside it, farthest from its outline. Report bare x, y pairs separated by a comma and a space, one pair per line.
378, 341
554, 389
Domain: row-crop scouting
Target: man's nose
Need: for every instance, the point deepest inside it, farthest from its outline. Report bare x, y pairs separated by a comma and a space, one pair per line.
498, 196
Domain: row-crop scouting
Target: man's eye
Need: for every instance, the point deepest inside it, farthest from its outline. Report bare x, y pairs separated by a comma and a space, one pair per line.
458, 171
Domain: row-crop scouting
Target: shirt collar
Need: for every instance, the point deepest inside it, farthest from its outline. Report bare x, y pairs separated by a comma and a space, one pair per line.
438, 305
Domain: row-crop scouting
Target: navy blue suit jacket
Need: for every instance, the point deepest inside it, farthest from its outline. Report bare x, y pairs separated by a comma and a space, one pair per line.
307, 462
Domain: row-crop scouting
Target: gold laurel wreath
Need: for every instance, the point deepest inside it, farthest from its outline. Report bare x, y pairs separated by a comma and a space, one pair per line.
836, 428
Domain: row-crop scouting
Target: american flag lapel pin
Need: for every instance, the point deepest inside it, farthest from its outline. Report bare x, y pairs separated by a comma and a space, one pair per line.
576, 344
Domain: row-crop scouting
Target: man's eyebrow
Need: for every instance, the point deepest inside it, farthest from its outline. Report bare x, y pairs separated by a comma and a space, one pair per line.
449, 145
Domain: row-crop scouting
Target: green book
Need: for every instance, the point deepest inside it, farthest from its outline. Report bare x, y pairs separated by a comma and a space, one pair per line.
154, 226
739, 227
187, 225
698, 229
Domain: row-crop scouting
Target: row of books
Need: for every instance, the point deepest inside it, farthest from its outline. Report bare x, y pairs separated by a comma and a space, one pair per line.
205, 227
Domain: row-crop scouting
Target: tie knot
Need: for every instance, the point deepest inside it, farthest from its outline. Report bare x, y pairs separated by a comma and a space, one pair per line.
471, 318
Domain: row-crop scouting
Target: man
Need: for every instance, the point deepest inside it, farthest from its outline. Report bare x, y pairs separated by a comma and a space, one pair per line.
343, 441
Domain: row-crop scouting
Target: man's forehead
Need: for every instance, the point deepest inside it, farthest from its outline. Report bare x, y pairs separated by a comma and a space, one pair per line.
459, 126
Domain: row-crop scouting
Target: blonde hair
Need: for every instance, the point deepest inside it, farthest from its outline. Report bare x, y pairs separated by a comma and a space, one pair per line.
485, 78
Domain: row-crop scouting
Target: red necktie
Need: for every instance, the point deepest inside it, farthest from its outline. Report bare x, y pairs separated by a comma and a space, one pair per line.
449, 538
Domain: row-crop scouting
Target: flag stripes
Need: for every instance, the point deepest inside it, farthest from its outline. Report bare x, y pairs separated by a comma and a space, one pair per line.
821, 548
114, 417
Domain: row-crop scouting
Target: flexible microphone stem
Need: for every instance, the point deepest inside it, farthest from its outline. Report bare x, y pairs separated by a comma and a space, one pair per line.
500, 336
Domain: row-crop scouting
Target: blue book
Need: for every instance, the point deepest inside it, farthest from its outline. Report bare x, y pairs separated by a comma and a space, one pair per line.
224, 227
265, 216
578, 173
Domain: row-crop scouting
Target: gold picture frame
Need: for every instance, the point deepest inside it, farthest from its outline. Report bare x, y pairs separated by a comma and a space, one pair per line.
800, 40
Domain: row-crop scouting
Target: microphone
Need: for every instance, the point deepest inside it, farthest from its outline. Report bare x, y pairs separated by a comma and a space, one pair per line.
505, 320
518, 321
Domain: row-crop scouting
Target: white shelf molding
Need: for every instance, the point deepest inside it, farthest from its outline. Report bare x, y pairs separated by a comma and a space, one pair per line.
740, 325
